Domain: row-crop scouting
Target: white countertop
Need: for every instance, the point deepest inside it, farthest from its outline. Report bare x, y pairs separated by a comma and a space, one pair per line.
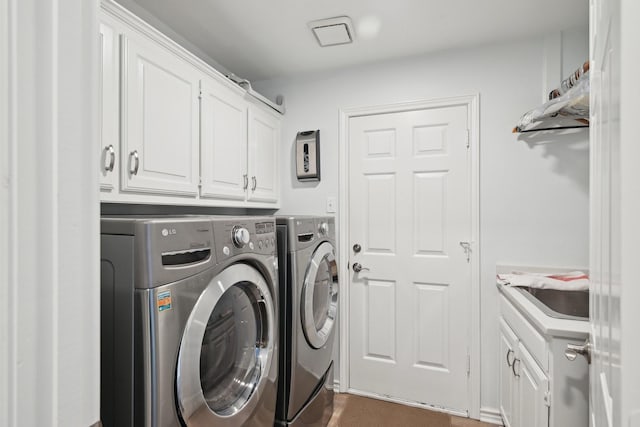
546, 325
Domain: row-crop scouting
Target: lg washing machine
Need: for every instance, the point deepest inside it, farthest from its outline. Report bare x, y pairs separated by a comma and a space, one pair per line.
189, 310
309, 305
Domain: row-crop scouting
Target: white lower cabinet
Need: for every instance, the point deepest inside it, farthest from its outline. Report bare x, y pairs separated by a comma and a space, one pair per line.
539, 387
533, 390
524, 387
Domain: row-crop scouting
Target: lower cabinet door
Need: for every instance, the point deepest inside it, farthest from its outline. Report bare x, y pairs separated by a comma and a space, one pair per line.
508, 390
533, 389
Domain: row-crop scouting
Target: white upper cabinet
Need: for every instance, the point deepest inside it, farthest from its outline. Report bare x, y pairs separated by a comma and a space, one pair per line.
264, 137
174, 130
109, 146
223, 142
160, 120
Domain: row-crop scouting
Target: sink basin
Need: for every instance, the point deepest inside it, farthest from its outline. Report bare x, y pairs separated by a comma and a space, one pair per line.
558, 303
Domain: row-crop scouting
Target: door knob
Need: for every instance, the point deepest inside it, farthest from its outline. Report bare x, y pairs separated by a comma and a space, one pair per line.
573, 351
357, 248
357, 267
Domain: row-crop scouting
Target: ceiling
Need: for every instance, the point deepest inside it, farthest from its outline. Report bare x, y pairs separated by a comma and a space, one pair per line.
262, 39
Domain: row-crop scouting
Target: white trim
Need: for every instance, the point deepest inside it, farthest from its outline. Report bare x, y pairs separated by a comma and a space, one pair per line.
49, 214
336, 386
7, 391
491, 416
472, 103
408, 403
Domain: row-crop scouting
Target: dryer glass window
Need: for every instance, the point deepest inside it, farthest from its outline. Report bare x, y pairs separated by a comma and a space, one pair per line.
320, 296
229, 359
322, 293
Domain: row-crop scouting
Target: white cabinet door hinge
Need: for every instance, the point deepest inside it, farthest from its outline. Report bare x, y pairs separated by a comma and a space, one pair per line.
547, 399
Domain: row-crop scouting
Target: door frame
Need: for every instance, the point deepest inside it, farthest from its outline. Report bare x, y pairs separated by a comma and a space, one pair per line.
473, 123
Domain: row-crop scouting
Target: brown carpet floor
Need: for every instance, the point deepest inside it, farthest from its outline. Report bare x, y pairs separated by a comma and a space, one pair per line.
357, 411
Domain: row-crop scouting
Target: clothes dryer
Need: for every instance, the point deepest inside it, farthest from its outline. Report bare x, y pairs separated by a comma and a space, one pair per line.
308, 285
189, 321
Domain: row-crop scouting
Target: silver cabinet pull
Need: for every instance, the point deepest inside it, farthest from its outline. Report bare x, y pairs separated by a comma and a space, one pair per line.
112, 157
513, 368
135, 159
573, 351
509, 352
246, 181
255, 183
357, 267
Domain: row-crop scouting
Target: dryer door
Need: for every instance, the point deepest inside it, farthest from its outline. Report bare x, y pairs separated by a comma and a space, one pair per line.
320, 296
226, 351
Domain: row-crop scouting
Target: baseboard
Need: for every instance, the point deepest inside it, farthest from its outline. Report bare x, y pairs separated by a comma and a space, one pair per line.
336, 386
408, 403
491, 415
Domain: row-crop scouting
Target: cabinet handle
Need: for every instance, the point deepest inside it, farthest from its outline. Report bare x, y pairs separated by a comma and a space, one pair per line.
255, 183
246, 181
136, 160
112, 157
513, 368
509, 352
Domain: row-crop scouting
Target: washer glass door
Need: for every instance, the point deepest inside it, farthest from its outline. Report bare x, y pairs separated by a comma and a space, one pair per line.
320, 296
226, 350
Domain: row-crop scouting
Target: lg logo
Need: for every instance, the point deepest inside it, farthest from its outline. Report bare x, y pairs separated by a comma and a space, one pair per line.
168, 232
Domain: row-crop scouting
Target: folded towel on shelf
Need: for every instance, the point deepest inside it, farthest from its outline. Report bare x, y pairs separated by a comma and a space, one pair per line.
572, 281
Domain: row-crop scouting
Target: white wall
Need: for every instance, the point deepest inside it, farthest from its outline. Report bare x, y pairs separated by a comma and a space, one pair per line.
533, 189
50, 320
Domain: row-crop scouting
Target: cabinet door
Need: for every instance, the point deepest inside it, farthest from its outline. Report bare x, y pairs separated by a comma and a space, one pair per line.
264, 141
508, 390
108, 104
533, 388
223, 142
160, 119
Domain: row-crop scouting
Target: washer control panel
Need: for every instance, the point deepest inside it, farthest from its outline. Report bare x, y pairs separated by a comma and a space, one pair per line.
239, 235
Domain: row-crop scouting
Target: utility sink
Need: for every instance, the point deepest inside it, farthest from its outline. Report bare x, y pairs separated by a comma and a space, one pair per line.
558, 303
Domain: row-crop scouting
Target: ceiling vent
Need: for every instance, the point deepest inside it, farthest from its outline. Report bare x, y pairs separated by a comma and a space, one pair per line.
333, 31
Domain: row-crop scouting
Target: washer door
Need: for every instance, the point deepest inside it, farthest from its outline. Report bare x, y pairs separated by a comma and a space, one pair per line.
320, 296
226, 349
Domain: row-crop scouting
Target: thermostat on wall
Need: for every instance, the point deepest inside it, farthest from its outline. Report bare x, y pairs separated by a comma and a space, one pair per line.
308, 155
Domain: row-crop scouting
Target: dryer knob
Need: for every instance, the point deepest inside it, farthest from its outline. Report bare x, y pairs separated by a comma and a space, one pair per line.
323, 229
240, 236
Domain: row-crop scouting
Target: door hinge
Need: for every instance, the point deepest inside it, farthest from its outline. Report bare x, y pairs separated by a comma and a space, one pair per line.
468, 137
547, 399
200, 182
200, 98
468, 364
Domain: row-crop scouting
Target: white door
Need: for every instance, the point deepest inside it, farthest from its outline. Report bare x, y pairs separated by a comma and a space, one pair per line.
109, 136
409, 211
605, 236
223, 142
160, 119
264, 140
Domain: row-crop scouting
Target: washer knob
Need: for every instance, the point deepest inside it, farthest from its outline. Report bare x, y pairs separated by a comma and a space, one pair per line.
240, 236
323, 228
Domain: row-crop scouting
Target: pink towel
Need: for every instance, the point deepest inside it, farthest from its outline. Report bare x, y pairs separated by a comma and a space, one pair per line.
572, 281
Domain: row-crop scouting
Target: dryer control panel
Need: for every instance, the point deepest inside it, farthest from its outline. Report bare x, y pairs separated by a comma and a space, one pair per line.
237, 235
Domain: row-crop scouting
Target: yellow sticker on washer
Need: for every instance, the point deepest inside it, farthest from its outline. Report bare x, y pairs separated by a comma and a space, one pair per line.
164, 301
